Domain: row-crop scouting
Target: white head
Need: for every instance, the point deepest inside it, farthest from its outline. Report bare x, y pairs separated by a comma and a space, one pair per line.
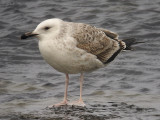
46, 29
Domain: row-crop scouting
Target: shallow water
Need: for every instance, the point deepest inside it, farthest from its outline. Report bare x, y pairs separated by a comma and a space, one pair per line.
118, 91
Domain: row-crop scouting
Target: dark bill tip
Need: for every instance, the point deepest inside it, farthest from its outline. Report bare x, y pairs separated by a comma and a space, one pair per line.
27, 35
24, 36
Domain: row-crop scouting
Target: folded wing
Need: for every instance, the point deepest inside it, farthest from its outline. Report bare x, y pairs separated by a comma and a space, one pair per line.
99, 42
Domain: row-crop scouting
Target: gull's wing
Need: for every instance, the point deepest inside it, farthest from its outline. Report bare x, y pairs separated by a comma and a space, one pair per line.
95, 41
109, 33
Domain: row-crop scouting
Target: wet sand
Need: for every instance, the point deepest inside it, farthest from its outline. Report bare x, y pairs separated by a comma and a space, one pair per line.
111, 110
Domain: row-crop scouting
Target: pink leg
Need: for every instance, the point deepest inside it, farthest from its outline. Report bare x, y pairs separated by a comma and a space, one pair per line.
80, 101
66, 87
81, 85
64, 102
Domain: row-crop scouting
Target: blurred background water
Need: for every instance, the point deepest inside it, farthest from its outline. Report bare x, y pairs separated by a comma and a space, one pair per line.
28, 83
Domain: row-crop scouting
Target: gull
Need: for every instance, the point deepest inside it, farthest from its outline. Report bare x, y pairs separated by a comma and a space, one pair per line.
73, 48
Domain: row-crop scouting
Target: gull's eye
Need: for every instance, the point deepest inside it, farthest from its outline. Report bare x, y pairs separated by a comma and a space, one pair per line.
46, 28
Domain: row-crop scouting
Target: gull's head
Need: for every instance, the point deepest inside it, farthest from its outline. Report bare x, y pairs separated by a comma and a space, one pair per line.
46, 29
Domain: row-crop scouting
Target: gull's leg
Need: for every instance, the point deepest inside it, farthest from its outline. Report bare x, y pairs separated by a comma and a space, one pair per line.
81, 85
65, 101
80, 101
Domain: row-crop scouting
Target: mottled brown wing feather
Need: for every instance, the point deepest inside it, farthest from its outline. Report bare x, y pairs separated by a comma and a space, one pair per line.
109, 33
95, 41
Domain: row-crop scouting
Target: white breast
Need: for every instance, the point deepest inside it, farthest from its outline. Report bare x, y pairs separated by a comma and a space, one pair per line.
64, 56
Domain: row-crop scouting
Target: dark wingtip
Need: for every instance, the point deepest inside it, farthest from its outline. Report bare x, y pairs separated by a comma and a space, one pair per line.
131, 41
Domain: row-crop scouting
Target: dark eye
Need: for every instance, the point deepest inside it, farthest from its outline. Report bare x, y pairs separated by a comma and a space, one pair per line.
46, 28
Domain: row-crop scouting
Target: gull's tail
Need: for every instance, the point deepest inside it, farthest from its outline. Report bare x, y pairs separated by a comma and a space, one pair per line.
129, 42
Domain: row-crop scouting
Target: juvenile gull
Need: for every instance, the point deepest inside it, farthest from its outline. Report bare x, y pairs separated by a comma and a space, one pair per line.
73, 48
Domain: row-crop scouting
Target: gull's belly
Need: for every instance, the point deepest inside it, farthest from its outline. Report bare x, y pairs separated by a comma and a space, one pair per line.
68, 60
